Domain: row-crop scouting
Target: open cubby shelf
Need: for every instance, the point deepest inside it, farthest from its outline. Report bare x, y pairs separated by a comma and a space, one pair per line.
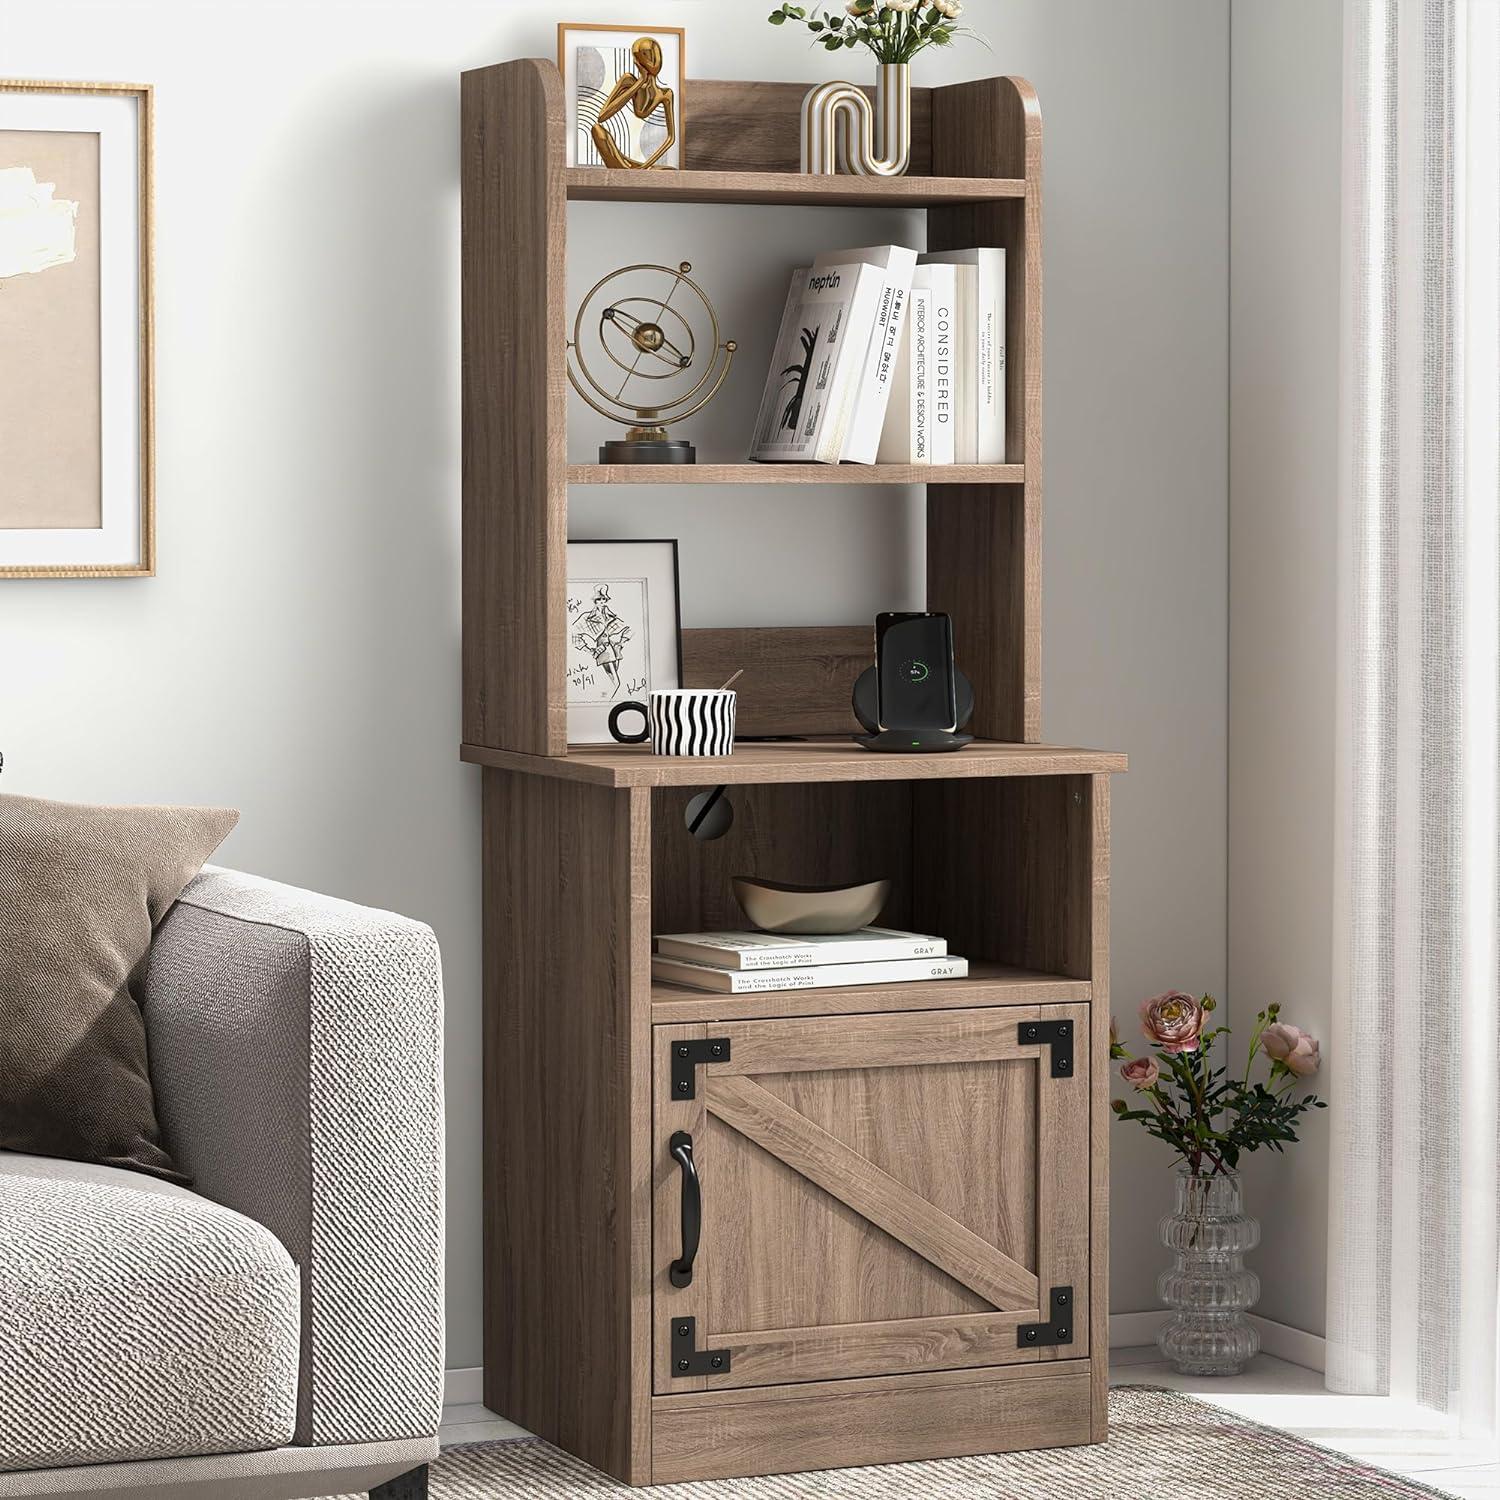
898, 1181
976, 177
753, 473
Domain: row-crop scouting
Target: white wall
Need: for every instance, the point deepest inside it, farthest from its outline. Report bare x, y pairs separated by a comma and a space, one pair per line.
297, 657
1283, 480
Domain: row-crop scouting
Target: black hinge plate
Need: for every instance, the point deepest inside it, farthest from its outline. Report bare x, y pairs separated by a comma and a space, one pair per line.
1059, 1033
1058, 1331
686, 1360
685, 1059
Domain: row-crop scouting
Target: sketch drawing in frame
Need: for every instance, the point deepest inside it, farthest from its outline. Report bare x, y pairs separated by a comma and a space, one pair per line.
622, 90
75, 330
624, 635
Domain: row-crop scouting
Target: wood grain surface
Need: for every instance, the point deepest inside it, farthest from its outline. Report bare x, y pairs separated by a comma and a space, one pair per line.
800, 761
894, 1419
566, 1117
796, 679
515, 524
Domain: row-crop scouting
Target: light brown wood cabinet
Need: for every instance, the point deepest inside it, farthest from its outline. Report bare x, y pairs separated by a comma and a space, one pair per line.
894, 1196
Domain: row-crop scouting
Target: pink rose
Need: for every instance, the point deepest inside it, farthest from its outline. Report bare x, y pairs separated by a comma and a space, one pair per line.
1292, 1047
1141, 1072
1172, 1021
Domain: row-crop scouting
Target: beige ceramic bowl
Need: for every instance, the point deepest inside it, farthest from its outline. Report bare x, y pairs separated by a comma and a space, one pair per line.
776, 907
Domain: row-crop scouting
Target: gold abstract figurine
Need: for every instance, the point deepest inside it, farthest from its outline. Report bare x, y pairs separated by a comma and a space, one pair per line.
644, 95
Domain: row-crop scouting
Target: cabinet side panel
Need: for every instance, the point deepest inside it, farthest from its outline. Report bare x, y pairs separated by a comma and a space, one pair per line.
984, 569
514, 449
1100, 1117
992, 127
566, 1185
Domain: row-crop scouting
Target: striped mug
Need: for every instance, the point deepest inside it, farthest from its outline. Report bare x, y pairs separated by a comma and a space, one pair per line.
681, 721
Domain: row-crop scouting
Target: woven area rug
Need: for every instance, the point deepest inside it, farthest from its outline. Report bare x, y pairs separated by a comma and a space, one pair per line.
1163, 1446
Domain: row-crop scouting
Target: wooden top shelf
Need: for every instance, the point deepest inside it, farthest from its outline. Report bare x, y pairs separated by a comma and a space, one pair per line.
796, 473
669, 185
798, 761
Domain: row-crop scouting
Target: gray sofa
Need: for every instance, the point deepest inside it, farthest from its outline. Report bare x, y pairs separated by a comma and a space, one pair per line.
276, 1330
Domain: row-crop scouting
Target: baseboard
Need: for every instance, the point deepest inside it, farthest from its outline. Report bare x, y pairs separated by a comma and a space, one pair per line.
1280, 1340
464, 1387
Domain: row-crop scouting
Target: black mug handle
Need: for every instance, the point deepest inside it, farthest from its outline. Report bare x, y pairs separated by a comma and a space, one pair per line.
614, 722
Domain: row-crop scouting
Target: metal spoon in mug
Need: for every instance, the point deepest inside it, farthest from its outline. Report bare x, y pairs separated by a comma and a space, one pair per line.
733, 679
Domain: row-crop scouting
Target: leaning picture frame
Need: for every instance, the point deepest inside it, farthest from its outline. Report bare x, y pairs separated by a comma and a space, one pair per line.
624, 629
623, 97
76, 314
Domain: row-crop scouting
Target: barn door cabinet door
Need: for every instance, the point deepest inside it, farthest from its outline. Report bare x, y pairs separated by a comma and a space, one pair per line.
877, 1195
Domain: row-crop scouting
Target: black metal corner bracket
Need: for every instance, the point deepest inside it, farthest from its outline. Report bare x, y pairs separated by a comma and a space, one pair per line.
1059, 1033
1058, 1331
686, 1360
685, 1059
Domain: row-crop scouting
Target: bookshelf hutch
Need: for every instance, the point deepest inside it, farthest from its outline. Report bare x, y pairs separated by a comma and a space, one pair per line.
904, 1245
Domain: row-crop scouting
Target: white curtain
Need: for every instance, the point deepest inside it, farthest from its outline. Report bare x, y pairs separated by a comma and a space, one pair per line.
1415, 1062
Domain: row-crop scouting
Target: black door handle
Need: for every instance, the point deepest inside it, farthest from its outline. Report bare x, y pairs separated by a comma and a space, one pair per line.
681, 1271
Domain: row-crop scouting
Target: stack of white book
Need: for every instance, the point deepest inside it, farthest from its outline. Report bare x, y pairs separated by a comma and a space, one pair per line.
736, 963
888, 356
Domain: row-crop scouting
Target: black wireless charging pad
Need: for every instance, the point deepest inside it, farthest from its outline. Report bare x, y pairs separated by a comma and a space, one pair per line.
909, 741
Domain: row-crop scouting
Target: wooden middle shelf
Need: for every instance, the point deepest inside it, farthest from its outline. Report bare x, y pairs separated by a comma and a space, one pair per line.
600, 184
799, 761
986, 984
796, 473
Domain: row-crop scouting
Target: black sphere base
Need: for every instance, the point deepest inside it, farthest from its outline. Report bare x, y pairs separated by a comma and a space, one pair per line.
624, 451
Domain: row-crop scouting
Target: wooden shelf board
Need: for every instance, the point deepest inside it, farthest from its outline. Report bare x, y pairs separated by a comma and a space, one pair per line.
670, 185
986, 984
799, 761
796, 473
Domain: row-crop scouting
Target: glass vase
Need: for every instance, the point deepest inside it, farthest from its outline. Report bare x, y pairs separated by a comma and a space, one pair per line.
1207, 1287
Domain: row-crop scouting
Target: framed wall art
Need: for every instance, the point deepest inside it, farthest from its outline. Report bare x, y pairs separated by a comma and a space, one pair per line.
622, 89
624, 630
75, 331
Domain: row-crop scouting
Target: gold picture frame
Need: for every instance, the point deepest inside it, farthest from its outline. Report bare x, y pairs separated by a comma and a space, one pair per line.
580, 152
122, 542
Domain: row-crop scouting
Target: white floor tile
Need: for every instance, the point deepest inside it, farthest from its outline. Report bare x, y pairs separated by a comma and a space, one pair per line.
475, 1424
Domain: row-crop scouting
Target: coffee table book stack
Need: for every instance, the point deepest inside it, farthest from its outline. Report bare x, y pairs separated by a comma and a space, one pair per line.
738, 963
902, 1230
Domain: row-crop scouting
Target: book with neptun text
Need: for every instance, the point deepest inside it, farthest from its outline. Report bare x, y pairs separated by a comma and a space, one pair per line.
819, 357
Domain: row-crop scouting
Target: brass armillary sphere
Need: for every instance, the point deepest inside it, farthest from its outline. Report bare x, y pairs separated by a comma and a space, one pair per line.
648, 322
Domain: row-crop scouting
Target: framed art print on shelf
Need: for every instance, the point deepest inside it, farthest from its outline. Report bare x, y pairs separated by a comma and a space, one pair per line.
624, 630
75, 331
622, 90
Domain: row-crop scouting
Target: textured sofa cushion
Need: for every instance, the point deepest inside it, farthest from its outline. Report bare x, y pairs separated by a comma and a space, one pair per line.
296, 1044
80, 890
137, 1321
